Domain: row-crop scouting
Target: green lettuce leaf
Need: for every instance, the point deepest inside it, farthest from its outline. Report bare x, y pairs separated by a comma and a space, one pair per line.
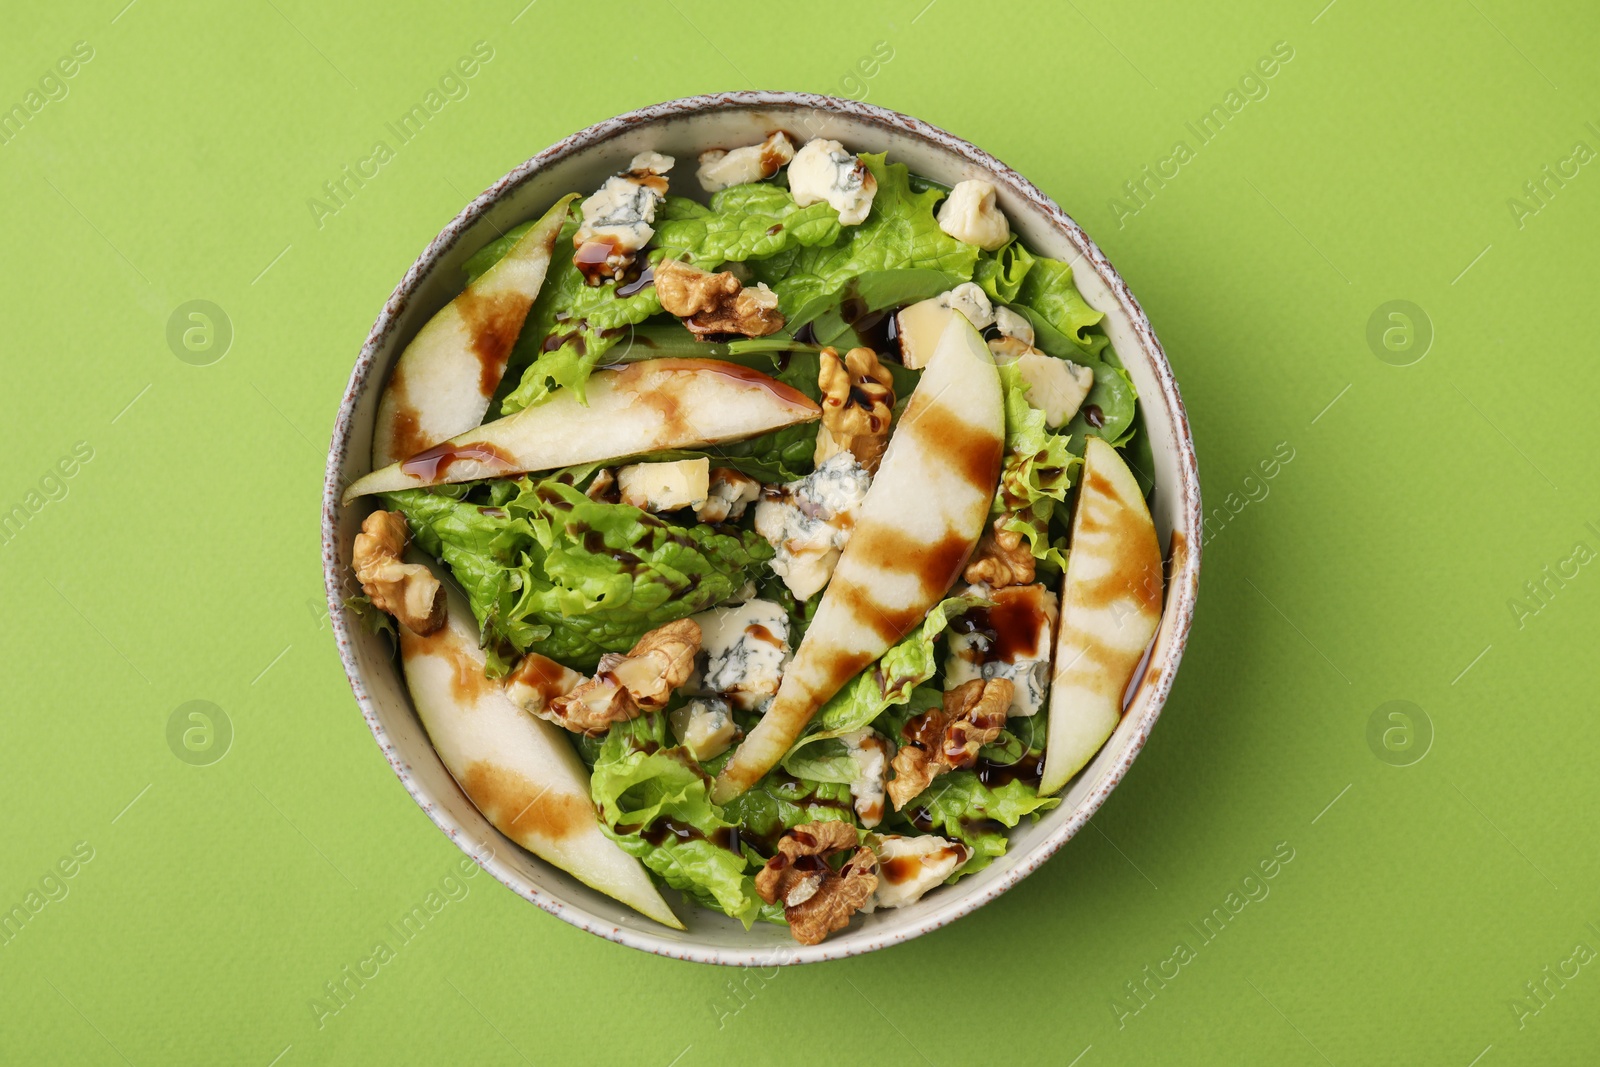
780, 802
570, 326
832, 317
1113, 397
549, 570
899, 232
888, 682
959, 806
745, 222
1048, 290
1038, 470
1001, 273
655, 803
573, 324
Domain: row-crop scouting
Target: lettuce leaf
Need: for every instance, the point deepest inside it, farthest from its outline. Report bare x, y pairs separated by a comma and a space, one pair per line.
549, 570
1039, 469
833, 317
891, 680
780, 802
744, 222
899, 232
570, 326
573, 324
655, 803
1001, 273
959, 806
1113, 400
1048, 290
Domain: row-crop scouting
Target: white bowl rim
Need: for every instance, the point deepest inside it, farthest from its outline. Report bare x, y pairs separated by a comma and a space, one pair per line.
1182, 586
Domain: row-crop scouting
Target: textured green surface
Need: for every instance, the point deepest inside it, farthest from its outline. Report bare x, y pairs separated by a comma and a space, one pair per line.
1382, 563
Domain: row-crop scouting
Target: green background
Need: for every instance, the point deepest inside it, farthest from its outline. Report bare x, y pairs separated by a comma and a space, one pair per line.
1383, 563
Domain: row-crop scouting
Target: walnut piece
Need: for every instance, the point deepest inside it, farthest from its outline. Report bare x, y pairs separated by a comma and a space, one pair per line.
716, 303
857, 405
408, 591
817, 900
948, 738
626, 686
1002, 558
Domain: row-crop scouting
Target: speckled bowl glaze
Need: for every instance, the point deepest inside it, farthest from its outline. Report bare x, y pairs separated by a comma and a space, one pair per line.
683, 128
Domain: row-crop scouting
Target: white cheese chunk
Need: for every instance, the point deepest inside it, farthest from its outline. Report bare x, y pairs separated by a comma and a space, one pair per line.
918, 326
681, 483
1012, 640
1012, 324
746, 648
870, 750
650, 162
808, 522
910, 866
969, 214
970, 299
621, 212
705, 727
729, 494
823, 170
1056, 387
752, 163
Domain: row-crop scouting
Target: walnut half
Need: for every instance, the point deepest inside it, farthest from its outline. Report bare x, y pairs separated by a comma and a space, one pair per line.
857, 406
1002, 558
948, 738
817, 900
716, 303
408, 591
625, 686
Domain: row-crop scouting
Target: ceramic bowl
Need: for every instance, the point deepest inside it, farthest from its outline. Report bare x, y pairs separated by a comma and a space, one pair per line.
683, 128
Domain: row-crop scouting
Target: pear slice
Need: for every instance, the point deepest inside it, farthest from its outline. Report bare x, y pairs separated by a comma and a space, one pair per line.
1110, 605
643, 407
521, 772
917, 525
442, 384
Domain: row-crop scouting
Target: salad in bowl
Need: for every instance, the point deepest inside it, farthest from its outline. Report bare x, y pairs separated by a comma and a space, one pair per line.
768, 526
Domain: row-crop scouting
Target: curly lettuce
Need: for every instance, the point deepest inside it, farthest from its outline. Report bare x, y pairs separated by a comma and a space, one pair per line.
1038, 470
782, 801
1001, 273
655, 803
959, 806
548, 570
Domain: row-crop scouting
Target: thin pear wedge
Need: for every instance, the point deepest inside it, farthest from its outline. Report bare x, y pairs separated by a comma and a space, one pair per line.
521, 772
919, 522
442, 384
1110, 606
644, 407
